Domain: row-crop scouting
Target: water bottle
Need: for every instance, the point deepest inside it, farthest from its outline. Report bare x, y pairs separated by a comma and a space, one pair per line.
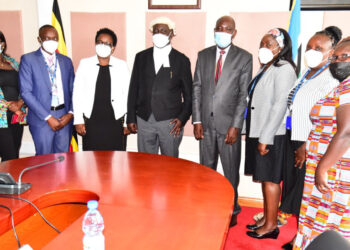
92, 227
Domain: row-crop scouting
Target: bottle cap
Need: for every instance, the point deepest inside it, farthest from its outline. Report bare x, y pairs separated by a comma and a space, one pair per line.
92, 204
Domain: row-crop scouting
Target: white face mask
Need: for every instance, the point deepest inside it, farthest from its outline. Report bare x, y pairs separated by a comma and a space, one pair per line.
50, 46
160, 40
222, 39
1, 49
313, 58
265, 55
103, 50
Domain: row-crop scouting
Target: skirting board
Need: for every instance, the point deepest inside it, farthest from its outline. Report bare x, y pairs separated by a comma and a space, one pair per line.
250, 202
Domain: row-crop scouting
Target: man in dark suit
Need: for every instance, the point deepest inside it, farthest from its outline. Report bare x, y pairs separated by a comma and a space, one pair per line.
46, 86
220, 85
160, 93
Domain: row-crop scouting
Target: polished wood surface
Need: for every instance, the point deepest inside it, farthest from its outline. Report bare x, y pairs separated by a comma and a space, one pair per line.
34, 230
147, 201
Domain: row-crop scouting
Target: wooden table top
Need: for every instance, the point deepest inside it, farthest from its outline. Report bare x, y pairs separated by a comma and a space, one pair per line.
147, 201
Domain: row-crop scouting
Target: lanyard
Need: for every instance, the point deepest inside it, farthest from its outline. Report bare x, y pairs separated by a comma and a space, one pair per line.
256, 81
303, 78
51, 74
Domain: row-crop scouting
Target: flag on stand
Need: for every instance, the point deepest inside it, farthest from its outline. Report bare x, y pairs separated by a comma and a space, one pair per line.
56, 22
294, 31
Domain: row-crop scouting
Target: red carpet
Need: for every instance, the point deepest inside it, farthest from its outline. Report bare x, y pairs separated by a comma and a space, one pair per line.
238, 239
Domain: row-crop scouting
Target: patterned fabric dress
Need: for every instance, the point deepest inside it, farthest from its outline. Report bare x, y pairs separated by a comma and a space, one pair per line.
330, 211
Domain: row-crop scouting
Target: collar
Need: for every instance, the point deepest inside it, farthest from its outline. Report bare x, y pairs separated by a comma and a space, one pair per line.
46, 55
111, 61
162, 51
226, 49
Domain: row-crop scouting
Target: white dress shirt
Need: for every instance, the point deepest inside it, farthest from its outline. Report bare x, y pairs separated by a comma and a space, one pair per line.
85, 86
161, 57
223, 56
58, 79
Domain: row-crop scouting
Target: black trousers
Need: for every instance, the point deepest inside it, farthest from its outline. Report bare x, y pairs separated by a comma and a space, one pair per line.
10, 141
293, 179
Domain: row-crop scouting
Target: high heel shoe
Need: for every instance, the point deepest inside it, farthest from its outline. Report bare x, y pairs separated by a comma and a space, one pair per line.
269, 235
253, 226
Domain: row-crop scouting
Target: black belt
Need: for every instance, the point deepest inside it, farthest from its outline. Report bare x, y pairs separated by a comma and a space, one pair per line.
58, 107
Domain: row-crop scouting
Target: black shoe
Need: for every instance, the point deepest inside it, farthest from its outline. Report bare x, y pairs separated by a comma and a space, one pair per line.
288, 246
233, 221
269, 235
253, 226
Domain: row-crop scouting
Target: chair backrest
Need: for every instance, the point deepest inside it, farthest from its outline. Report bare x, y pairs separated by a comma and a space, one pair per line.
329, 240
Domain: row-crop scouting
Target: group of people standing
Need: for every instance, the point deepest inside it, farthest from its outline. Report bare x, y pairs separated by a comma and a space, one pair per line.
296, 129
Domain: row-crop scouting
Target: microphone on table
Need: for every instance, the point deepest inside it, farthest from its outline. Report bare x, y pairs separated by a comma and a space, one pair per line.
9, 186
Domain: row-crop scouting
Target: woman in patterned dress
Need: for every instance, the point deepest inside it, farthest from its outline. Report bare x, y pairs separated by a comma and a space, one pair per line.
326, 197
11, 106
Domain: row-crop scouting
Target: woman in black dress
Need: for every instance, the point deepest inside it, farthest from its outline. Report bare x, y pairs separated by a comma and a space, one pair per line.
11, 106
100, 97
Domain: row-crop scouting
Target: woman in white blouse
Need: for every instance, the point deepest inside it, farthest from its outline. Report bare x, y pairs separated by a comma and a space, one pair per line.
100, 96
314, 83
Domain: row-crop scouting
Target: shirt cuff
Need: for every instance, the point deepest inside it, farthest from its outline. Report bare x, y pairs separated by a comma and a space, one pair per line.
196, 122
71, 112
47, 117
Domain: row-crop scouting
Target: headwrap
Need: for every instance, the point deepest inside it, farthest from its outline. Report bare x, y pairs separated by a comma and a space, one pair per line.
278, 35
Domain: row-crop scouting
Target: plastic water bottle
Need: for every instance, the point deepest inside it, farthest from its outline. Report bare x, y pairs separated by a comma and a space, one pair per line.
92, 227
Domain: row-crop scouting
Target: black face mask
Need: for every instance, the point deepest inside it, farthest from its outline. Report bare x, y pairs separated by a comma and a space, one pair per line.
340, 70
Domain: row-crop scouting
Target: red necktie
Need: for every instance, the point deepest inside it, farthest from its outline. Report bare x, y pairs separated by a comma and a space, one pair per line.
218, 67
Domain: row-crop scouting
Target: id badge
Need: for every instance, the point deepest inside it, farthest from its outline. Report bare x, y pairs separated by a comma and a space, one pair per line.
289, 122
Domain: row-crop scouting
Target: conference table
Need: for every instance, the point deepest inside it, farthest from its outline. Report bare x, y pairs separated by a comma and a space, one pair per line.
147, 201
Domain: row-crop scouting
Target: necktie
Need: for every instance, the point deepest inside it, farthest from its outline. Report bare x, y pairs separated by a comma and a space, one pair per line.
218, 67
51, 64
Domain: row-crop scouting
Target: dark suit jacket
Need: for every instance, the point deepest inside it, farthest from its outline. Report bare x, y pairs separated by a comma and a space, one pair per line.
35, 85
170, 100
226, 99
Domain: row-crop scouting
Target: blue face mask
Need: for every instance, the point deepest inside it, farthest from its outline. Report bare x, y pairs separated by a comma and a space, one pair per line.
222, 39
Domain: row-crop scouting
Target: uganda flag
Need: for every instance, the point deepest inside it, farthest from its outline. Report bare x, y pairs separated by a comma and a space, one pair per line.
56, 22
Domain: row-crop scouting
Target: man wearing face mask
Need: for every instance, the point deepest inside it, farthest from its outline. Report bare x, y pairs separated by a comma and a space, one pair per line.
221, 79
46, 86
160, 94
100, 96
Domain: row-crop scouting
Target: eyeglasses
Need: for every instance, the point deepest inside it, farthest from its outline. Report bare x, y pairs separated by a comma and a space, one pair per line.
340, 58
104, 43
